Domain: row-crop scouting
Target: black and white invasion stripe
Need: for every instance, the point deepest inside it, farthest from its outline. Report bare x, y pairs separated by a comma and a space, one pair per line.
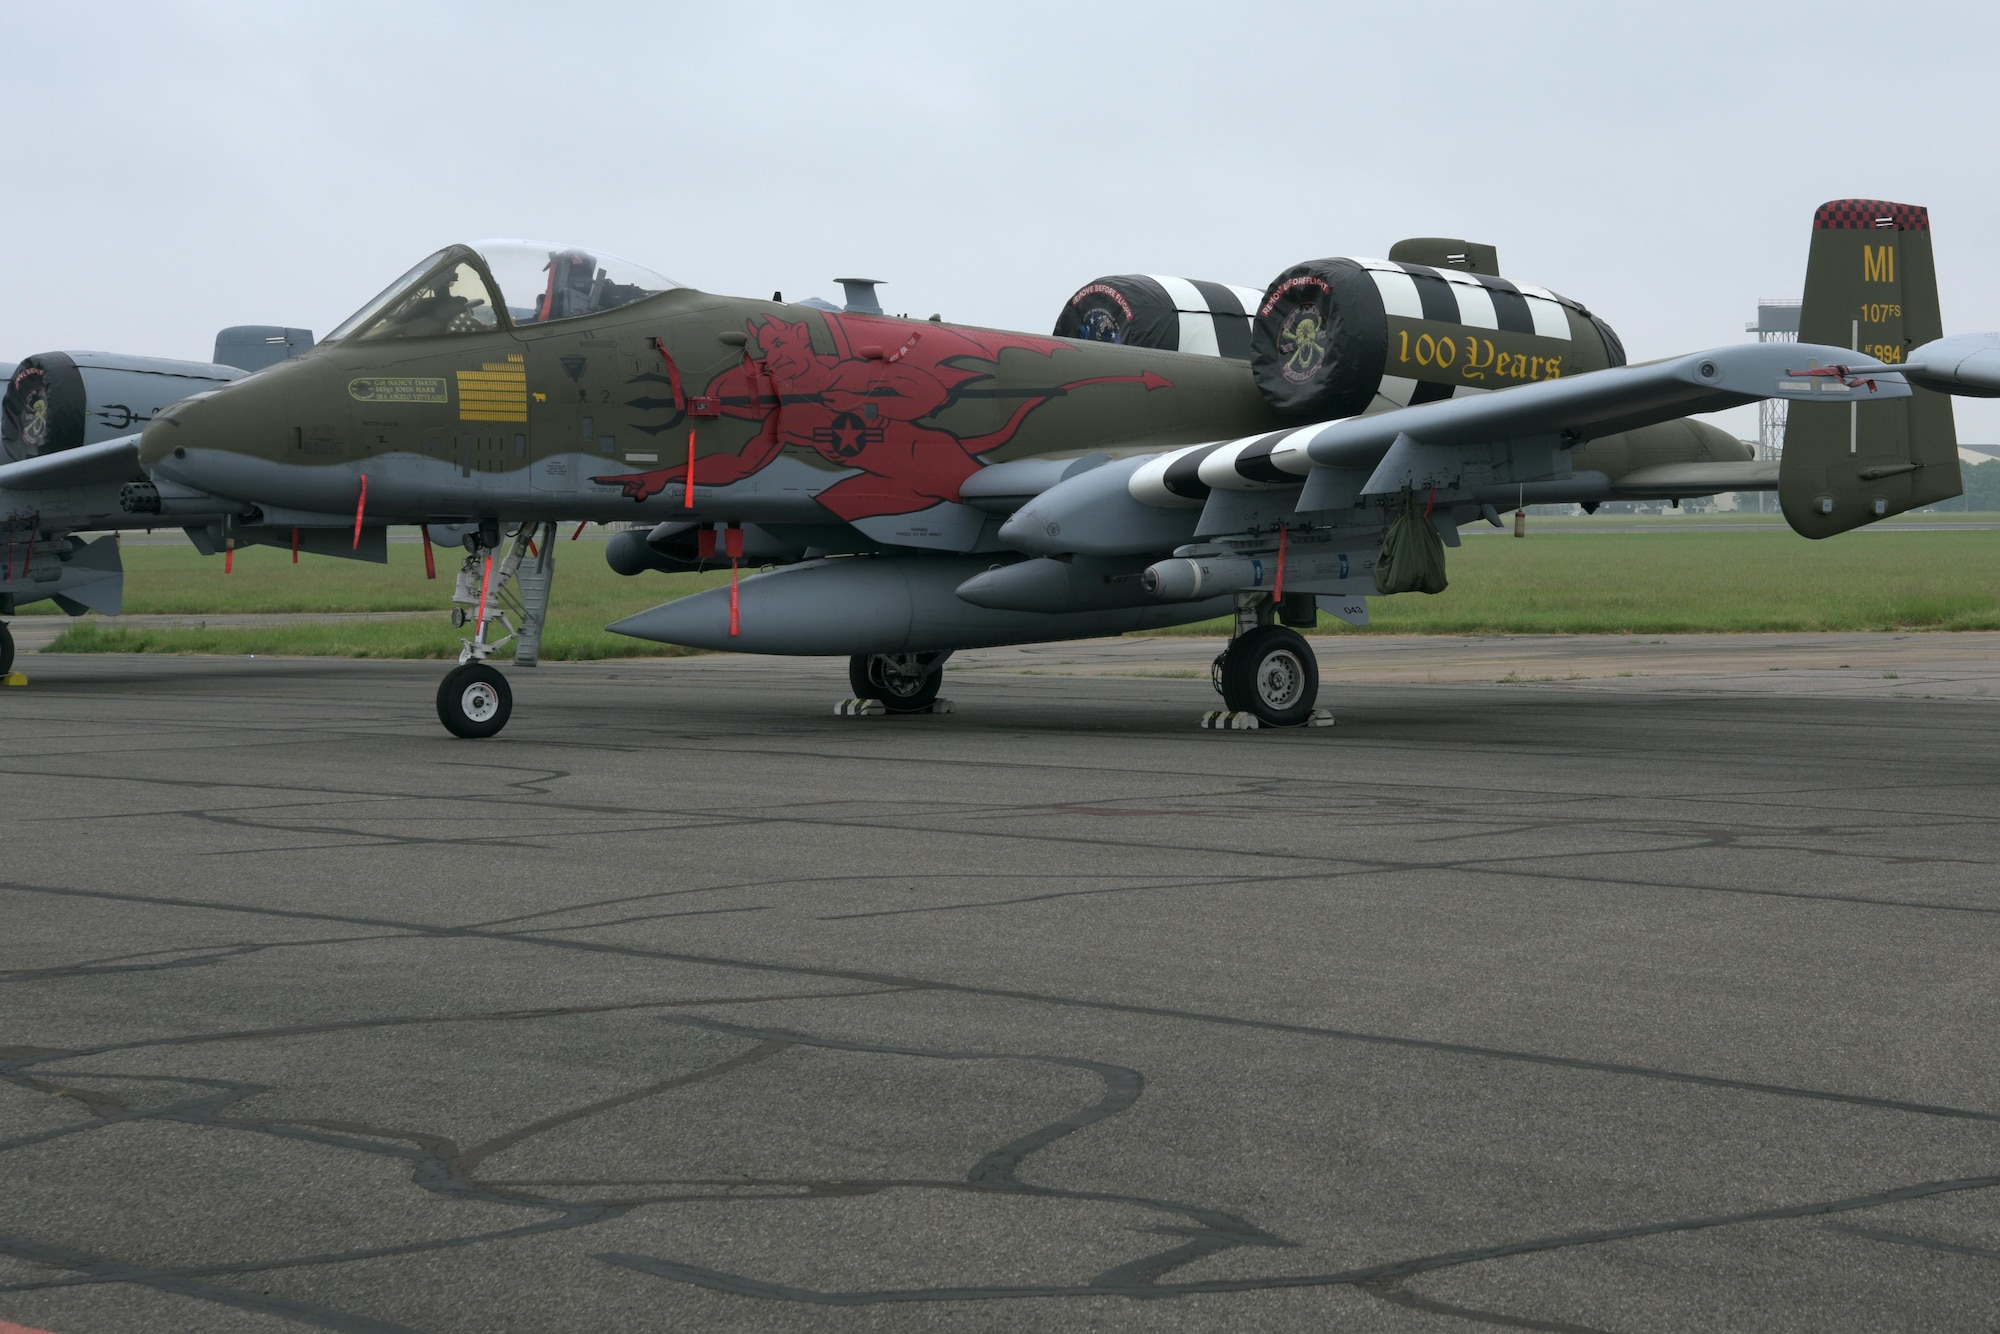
1457, 296
1185, 476
1214, 317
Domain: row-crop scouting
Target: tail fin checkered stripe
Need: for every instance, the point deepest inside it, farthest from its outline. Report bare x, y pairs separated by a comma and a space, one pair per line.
1871, 214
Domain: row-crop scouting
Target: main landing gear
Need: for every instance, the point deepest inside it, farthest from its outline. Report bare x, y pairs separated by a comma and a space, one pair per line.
1268, 673
900, 682
6, 649
474, 699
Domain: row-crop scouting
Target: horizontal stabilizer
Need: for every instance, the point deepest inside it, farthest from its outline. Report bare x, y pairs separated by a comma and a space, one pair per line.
93, 579
1967, 365
1668, 481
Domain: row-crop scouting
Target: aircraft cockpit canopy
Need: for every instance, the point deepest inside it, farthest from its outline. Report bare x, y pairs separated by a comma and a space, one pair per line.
551, 282
499, 284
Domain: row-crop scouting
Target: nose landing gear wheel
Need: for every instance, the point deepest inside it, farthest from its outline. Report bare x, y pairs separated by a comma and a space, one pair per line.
474, 701
904, 682
1271, 672
6, 649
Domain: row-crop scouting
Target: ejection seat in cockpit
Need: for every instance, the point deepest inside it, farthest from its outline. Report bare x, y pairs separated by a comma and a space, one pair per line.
578, 286
572, 278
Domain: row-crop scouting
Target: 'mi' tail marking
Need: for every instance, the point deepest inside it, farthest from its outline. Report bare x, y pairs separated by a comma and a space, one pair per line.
1871, 286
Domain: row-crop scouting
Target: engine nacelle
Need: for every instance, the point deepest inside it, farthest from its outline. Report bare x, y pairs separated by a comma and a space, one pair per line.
59, 400
1157, 310
1335, 338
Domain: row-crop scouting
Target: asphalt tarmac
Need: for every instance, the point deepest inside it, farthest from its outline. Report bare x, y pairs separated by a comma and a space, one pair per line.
1660, 998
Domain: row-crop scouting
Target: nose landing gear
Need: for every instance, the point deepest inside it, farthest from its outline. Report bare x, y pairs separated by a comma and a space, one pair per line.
474, 699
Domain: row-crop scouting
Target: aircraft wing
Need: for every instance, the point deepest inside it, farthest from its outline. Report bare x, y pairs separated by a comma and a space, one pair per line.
1486, 447
1620, 399
114, 460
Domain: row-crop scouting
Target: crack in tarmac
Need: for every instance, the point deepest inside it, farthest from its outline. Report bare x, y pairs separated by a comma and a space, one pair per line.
438, 1165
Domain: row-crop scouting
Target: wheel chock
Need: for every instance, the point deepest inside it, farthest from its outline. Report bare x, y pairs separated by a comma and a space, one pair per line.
1222, 720
874, 708
1227, 720
13, 679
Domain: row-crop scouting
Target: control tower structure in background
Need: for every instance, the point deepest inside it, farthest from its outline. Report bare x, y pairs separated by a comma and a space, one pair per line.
1776, 322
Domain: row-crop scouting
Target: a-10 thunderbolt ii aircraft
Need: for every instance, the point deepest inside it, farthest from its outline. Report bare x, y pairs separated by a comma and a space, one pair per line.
69, 464
921, 487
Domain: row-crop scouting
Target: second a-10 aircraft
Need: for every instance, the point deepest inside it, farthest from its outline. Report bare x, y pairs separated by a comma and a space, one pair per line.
69, 455
1189, 451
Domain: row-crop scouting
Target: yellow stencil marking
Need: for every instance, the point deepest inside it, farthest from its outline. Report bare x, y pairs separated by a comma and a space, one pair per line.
496, 392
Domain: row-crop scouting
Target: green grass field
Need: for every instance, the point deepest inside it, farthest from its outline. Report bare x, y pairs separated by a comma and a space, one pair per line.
1563, 579
178, 580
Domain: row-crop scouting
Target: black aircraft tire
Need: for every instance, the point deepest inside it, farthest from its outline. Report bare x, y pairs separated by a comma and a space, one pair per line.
857, 677
474, 701
897, 696
6, 649
1271, 672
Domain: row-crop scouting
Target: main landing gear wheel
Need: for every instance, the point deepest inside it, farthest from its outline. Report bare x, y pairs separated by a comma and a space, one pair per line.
1270, 672
904, 682
6, 649
474, 701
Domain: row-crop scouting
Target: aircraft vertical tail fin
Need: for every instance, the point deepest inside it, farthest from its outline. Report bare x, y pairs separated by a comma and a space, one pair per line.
1870, 285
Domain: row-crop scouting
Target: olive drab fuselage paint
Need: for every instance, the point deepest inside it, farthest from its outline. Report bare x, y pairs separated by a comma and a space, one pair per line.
675, 404
790, 413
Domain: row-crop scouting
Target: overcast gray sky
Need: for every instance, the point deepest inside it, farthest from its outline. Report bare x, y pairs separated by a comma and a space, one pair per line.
178, 167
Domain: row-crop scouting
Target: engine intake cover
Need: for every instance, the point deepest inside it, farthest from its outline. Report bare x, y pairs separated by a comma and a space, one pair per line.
43, 408
1338, 337
1157, 310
